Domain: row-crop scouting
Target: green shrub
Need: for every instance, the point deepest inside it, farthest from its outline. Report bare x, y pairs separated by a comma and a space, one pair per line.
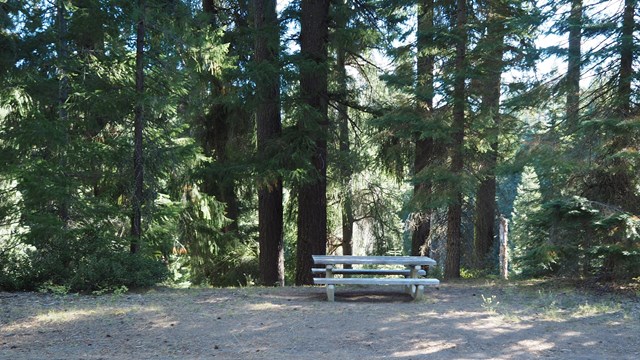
15, 267
117, 270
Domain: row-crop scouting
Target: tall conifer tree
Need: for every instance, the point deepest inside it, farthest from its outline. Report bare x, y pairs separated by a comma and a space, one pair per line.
312, 197
574, 62
270, 226
425, 145
491, 76
138, 128
454, 212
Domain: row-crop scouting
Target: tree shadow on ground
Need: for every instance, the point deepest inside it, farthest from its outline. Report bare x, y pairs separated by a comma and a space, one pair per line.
298, 323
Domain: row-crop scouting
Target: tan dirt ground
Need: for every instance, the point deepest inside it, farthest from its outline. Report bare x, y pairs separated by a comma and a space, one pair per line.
464, 320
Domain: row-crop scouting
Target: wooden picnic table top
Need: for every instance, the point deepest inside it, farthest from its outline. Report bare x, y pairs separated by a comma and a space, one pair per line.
379, 260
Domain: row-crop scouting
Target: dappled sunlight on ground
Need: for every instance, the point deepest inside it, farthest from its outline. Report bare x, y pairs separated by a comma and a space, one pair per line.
528, 344
298, 323
488, 327
424, 348
265, 306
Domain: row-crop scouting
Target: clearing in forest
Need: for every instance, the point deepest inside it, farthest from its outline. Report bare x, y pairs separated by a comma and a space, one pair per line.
476, 320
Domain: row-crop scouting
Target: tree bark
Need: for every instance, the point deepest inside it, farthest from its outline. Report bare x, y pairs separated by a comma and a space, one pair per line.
574, 64
504, 248
63, 96
312, 197
138, 127
425, 147
267, 80
485, 212
626, 58
346, 170
454, 213
215, 139
618, 186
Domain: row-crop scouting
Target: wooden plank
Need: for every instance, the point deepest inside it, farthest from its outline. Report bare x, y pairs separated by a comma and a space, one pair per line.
381, 260
404, 272
375, 281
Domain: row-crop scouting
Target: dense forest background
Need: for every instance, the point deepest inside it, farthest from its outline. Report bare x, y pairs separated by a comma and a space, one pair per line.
224, 142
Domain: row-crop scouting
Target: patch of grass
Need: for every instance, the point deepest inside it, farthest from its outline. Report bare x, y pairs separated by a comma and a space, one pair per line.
51, 288
553, 312
490, 303
65, 316
511, 318
593, 309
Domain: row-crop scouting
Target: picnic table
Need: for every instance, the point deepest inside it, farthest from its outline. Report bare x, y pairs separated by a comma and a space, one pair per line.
412, 272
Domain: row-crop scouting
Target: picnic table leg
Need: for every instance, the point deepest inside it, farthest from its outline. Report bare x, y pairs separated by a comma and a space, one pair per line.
413, 274
419, 291
331, 289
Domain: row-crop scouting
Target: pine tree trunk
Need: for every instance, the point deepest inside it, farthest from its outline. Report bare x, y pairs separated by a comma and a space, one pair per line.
63, 96
346, 170
215, 139
454, 213
626, 58
573, 64
425, 147
267, 80
504, 248
620, 180
312, 197
138, 169
485, 213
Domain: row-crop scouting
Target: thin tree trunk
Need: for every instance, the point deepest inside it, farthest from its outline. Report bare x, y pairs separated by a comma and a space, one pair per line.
138, 169
270, 226
454, 213
63, 96
485, 214
573, 64
312, 197
626, 58
425, 152
504, 248
63, 53
346, 170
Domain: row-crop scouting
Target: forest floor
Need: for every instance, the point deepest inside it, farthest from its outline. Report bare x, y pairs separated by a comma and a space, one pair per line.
462, 320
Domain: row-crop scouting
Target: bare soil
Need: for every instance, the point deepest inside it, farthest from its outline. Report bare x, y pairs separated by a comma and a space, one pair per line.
465, 320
